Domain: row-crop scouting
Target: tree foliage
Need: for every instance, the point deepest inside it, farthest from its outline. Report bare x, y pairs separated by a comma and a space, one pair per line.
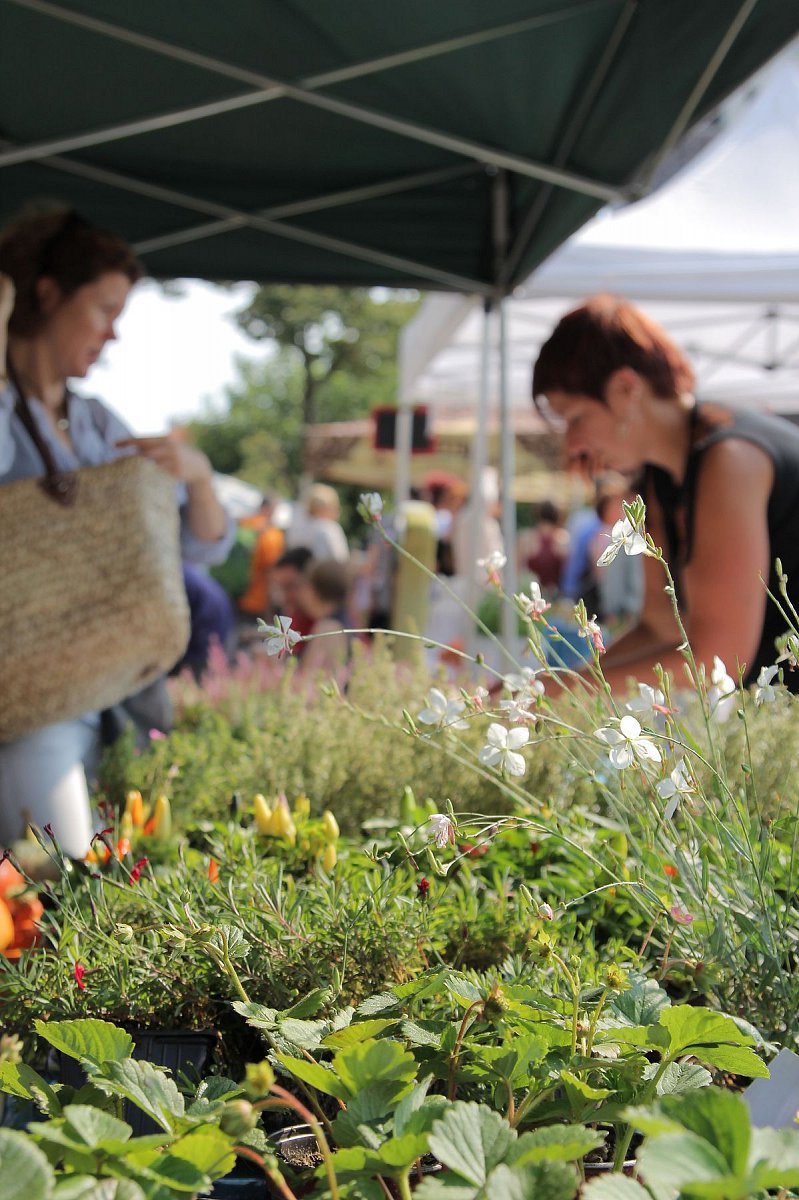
334, 358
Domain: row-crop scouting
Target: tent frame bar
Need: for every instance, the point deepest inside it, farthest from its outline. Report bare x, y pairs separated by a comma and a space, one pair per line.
275, 89
279, 212
153, 191
697, 93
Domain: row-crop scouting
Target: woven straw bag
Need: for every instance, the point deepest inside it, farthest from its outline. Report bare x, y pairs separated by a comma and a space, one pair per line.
92, 602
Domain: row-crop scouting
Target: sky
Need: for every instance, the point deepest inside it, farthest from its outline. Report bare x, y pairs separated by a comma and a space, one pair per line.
172, 353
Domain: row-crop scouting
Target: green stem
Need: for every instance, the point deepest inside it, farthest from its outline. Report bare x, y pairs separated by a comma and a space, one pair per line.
321, 1141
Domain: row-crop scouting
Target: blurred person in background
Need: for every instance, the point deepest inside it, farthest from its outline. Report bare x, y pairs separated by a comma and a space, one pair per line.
542, 549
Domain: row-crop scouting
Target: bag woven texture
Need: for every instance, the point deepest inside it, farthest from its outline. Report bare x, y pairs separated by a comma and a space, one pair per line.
92, 602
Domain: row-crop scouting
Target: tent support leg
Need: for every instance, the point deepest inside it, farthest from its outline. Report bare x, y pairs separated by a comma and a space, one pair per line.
469, 570
507, 475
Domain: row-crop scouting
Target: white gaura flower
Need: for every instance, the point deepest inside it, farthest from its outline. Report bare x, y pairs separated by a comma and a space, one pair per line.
650, 706
279, 636
765, 692
673, 788
517, 710
371, 504
501, 749
524, 680
593, 632
627, 746
442, 830
533, 606
492, 565
721, 693
623, 536
442, 712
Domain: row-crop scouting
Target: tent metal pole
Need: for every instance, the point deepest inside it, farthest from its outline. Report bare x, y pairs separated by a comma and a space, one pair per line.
314, 204
290, 232
273, 89
403, 444
373, 66
476, 502
698, 91
507, 476
573, 130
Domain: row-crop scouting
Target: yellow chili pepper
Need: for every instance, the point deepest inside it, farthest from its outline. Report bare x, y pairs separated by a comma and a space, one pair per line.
162, 817
126, 826
302, 807
282, 823
330, 826
134, 807
329, 857
263, 814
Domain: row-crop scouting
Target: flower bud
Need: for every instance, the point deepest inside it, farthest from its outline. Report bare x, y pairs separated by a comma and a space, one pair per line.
259, 1079
238, 1117
124, 933
330, 826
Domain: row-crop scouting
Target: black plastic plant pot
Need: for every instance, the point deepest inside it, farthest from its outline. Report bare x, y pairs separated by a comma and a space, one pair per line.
241, 1184
181, 1052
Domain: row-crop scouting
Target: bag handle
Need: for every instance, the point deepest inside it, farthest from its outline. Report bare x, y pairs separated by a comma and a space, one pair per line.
59, 485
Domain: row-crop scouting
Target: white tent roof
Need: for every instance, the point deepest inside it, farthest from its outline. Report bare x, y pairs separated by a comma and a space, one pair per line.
713, 255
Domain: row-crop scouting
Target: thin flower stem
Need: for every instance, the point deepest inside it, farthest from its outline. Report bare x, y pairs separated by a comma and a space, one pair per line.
324, 1148
272, 1175
454, 1059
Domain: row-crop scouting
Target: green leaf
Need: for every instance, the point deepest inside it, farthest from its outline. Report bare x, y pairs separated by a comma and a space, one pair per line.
88, 1039
471, 1139
774, 1157
209, 1150
739, 1060
719, 1117
353, 1034
422, 1033
309, 1005
677, 1160
614, 1187
543, 1181
374, 1061
679, 1077
690, 1028
257, 1015
305, 1034
555, 1143
170, 1171
641, 1004
92, 1126
24, 1170
149, 1088
319, 1077
577, 1089
84, 1187
18, 1079
411, 1104
377, 1004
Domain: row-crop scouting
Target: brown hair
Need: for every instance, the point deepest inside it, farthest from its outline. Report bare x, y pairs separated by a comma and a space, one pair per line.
330, 580
61, 245
603, 334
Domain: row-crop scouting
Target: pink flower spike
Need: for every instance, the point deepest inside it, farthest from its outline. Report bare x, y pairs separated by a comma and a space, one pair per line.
680, 915
155, 735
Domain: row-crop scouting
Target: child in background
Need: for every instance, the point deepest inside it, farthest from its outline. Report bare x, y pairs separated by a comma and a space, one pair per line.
322, 597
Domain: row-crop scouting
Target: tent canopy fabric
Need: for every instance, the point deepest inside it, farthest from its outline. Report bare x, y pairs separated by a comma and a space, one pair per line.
450, 145
713, 255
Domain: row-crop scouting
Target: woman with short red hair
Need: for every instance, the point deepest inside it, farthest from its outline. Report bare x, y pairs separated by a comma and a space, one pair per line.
721, 486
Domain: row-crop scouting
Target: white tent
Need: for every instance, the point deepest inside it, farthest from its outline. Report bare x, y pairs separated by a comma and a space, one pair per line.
713, 255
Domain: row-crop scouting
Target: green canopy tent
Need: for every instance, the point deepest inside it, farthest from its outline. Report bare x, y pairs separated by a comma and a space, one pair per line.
434, 143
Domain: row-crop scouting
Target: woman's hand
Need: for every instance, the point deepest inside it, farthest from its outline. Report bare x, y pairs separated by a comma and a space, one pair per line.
182, 462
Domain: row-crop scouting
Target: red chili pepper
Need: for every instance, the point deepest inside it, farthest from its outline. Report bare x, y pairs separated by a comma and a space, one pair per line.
80, 970
136, 871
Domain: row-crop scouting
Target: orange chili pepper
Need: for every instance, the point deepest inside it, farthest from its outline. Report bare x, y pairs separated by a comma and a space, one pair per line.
213, 870
123, 847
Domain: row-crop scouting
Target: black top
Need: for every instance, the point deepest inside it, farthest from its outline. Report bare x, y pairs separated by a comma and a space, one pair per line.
779, 439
